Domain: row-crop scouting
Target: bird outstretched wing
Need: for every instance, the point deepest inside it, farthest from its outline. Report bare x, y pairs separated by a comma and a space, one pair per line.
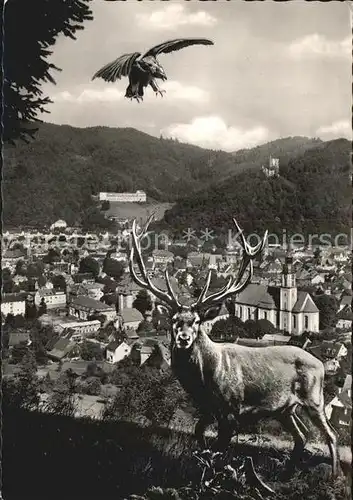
177, 44
116, 69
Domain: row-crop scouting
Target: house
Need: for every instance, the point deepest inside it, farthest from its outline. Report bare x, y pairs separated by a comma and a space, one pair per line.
196, 260
62, 348
331, 366
344, 319
303, 342
117, 350
18, 337
284, 306
143, 349
130, 318
80, 367
333, 350
83, 278
13, 303
127, 291
82, 307
80, 327
159, 357
54, 299
161, 256
339, 410
339, 254
316, 279
10, 258
93, 290
346, 301
275, 339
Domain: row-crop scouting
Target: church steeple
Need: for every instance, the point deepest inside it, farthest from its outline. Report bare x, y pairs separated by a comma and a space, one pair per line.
288, 274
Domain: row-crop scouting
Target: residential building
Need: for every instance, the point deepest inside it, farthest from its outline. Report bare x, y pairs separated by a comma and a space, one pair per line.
333, 350
162, 257
13, 303
54, 299
130, 318
339, 410
62, 349
117, 350
275, 339
284, 306
80, 327
346, 301
82, 307
301, 341
10, 258
344, 318
19, 337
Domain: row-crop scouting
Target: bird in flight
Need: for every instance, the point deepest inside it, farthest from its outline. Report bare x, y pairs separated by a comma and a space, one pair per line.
143, 71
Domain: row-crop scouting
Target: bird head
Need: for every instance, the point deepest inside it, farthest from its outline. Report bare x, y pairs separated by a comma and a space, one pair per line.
154, 67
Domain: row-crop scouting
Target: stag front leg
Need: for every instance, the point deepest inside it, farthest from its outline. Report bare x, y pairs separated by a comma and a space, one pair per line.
200, 430
225, 434
295, 427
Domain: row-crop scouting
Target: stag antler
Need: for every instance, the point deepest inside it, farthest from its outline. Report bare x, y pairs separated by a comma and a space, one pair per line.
168, 297
236, 286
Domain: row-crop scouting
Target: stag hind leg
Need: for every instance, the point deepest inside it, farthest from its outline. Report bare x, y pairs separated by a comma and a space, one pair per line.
318, 417
313, 403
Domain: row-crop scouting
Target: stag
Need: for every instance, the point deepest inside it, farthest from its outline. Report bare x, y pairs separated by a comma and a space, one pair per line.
233, 384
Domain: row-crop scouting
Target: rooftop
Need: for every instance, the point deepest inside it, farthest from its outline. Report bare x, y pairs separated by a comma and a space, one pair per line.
87, 302
131, 315
13, 297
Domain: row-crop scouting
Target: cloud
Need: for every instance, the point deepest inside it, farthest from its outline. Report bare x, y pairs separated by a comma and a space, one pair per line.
338, 129
318, 45
179, 91
90, 95
174, 16
212, 132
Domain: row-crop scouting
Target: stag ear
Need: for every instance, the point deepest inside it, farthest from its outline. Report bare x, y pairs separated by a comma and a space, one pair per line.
210, 314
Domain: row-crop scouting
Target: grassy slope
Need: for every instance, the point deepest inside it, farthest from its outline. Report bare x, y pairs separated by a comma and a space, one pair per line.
72, 458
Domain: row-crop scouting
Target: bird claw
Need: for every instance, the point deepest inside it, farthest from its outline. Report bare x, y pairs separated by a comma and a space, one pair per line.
160, 92
137, 98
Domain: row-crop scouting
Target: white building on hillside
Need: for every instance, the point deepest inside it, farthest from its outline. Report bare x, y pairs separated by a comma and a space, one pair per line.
138, 197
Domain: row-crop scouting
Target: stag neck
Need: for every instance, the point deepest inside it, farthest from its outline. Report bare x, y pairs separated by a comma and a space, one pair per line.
203, 345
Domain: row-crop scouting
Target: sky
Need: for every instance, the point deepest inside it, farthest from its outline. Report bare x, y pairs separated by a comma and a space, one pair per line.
275, 70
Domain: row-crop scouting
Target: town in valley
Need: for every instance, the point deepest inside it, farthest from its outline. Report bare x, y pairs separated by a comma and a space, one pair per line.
69, 300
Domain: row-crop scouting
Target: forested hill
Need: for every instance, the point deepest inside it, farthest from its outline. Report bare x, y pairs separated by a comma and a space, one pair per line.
54, 176
312, 195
